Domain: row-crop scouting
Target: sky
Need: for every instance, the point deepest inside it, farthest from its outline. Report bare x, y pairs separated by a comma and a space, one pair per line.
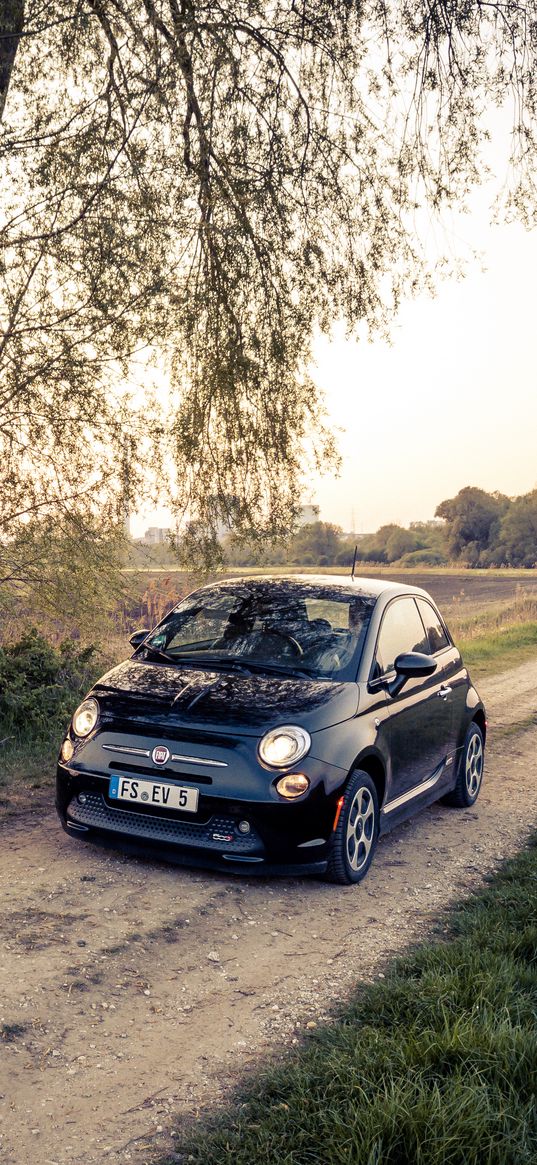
451, 401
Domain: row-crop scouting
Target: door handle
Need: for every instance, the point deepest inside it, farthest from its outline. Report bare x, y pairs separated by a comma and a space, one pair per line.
445, 692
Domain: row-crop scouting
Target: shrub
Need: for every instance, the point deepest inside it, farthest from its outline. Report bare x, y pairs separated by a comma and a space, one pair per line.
39, 685
424, 558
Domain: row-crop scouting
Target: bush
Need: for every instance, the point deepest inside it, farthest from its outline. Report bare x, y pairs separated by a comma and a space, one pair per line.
424, 558
40, 685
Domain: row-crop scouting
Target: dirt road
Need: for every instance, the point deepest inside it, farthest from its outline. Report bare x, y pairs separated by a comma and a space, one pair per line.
131, 991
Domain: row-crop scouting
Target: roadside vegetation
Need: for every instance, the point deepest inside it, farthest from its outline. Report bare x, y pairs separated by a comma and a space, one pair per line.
40, 685
499, 650
435, 1065
498, 637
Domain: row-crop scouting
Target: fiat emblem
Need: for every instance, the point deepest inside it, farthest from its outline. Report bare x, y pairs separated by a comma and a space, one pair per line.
160, 754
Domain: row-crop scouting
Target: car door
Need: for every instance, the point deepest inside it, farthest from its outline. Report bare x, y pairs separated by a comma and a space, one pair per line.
418, 720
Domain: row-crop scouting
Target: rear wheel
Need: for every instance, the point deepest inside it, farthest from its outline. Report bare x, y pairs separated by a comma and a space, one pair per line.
355, 836
470, 772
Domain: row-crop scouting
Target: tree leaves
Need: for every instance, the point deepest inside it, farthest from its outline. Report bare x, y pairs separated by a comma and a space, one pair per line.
189, 191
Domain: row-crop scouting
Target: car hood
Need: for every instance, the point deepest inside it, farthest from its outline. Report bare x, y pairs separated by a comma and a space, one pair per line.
147, 693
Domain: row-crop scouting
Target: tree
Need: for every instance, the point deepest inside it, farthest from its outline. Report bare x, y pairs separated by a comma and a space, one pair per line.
189, 190
63, 570
388, 544
317, 543
400, 542
518, 533
473, 522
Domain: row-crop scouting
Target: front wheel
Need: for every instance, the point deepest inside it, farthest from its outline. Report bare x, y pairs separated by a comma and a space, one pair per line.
470, 772
355, 836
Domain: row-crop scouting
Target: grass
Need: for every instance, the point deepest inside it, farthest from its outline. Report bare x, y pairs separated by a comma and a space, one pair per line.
436, 1065
376, 569
498, 637
31, 763
500, 650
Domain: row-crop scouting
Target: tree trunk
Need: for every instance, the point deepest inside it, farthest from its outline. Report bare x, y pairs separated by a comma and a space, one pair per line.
11, 25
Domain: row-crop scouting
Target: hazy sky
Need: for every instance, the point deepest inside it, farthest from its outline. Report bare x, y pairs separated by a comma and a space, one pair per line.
452, 401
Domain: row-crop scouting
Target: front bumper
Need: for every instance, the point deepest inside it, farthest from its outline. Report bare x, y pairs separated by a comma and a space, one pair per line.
283, 838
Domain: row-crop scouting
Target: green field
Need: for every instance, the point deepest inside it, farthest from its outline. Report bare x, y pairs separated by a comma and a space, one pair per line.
436, 1065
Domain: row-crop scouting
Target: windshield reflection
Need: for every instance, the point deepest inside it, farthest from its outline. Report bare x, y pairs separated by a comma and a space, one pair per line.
281, 626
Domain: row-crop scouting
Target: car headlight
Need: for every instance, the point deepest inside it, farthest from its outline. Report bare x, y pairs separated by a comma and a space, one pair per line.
284, 746
85, 717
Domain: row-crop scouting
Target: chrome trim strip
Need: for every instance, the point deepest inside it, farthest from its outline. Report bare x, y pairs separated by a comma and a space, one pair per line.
124, 748
191, 760
198, 760
240, 858
415, 792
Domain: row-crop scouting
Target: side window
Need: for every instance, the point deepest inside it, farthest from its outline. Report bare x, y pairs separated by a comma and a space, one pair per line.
401, 630
433, 626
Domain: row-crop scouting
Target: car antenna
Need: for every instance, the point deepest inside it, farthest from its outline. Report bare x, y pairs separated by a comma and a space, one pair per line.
354, 561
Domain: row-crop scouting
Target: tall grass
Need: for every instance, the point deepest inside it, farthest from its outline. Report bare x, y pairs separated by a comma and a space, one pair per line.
493, 618
436, 1065
496, 637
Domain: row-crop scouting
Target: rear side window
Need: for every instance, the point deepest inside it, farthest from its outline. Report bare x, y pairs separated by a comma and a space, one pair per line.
438, 639
401, 630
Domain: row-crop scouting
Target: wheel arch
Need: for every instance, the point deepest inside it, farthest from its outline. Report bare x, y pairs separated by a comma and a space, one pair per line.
480, 719
374, 767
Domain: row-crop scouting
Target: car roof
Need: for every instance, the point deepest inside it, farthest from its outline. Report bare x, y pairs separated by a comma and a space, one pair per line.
370, 587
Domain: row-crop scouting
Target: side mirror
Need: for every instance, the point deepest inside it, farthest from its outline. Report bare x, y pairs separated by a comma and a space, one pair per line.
138, 637
410, 665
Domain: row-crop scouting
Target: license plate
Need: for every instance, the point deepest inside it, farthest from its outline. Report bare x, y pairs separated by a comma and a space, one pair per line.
150, 793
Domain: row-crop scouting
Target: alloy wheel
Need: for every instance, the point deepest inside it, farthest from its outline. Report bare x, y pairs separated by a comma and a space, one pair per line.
360, 828
474, 764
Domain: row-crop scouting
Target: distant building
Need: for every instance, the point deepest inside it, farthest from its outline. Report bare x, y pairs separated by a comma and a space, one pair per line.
156, 536
308, 514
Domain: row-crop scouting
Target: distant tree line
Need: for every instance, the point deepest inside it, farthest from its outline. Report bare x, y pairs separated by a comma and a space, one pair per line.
325, 544
479, 529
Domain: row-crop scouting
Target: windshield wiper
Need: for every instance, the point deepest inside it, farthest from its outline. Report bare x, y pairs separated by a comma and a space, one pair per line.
281, 669
159, 653
191, 658
231, 663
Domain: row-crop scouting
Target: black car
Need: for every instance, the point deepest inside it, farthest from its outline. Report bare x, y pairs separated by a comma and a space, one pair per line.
275, 725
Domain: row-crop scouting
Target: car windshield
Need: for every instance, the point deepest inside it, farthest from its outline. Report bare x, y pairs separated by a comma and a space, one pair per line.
281, 626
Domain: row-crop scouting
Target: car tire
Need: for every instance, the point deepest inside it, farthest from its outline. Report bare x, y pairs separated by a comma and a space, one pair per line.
470, 771
355, 837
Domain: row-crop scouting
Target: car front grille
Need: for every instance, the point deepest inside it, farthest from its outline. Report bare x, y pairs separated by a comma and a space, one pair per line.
146, 771
96, 814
